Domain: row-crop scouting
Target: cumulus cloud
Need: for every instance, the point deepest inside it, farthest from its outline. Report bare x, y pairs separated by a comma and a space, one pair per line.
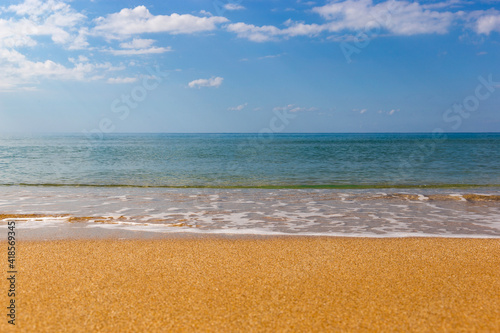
79, 42
18, 71
137, 43
254, 33
41, 18
139, 20
268, 32
233, 6
448, 3
205, 13
25, 23
402, 18
238, 108
487, 22
138, 46
212, 82
397, 17
22, 25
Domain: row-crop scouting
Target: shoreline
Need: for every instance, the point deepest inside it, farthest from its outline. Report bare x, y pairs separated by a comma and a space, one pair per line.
258, 284
36, 227
270, 212
40, 227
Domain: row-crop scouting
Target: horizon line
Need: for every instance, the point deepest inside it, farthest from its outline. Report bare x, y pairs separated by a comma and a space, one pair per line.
257, 133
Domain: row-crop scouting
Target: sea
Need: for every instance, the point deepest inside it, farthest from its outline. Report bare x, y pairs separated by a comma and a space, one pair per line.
357, 185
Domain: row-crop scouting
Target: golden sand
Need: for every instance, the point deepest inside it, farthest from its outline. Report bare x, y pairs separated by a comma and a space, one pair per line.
281, 284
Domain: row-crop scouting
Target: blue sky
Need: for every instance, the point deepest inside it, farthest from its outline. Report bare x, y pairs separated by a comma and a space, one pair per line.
249, 66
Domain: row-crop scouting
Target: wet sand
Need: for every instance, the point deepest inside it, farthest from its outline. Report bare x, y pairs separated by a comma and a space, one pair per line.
273, 284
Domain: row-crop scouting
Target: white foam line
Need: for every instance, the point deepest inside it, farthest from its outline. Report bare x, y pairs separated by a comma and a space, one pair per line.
31, 219
163, 228
239, 220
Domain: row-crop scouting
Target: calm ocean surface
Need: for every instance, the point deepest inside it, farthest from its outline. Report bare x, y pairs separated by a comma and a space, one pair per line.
251, 160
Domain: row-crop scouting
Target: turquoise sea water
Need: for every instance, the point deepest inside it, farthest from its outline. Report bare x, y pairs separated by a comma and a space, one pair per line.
252, 160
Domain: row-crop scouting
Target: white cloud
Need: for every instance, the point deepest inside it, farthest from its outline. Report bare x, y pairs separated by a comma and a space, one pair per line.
18, 71
37, 8
233, 6
395, 17
138, 46
22, 25
33, 18
390, 112
138, 43
487, 22
81, 59
151, 50
212, 82
12, 36
206, 13
445, 4
294, 108
44, 18
254, 33
271, 56
36, 18
139, 20
307, 3
238, 108
268, 32
80, 41
302, 29
122, 80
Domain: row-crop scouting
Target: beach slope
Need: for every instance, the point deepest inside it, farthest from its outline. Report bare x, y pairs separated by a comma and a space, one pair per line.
262, 284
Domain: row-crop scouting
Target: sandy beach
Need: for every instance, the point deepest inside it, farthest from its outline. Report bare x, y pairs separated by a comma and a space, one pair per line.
257, 284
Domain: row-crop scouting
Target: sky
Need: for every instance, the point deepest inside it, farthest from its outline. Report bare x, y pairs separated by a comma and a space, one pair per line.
228, 66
